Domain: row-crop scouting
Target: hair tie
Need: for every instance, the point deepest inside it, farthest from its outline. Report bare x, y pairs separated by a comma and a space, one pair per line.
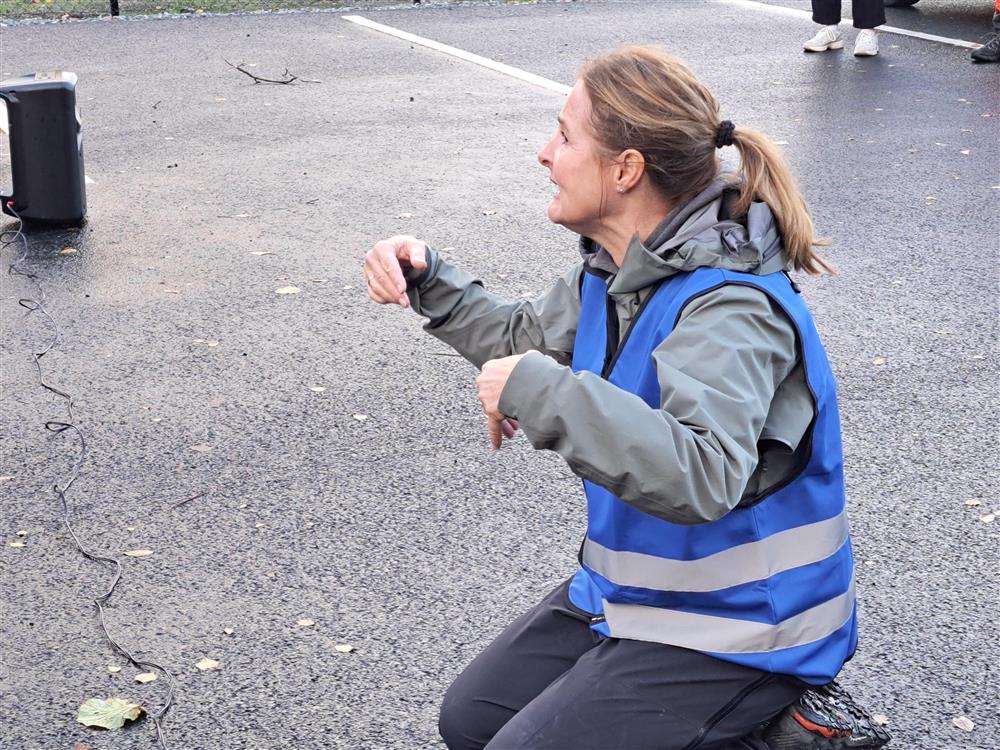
724, 135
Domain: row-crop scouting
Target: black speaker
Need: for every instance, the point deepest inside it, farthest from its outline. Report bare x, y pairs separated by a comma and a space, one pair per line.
46, 149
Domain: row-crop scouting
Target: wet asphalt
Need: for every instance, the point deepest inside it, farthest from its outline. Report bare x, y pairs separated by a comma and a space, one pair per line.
374, 507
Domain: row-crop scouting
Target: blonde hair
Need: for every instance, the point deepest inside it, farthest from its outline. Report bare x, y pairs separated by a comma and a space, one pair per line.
645, 99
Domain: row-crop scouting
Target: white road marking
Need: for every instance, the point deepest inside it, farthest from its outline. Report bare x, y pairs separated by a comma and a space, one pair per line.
523, 75
782, 10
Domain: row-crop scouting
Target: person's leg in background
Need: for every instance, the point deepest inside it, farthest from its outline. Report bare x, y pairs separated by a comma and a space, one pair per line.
867, 15
827, 14
990, 51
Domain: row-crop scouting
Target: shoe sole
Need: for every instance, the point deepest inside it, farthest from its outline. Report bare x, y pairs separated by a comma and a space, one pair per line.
824, 48
865, 54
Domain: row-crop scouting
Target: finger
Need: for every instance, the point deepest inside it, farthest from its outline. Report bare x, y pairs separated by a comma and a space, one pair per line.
381, 288
416, 254
508, 428
496, 436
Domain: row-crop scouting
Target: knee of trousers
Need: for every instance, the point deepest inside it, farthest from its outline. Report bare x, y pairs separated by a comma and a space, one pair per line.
460, 724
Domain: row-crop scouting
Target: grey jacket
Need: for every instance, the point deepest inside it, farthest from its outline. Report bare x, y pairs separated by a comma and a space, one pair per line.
734, 403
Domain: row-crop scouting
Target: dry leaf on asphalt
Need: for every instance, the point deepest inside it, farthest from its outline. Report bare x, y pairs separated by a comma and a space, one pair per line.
361, 417
344, 648
67, 251
973, 502
261, 252
305, 622
489, 213
287, 290
143, 677
988, 518
139, 552
108, 714
114, 669
17, 544
207, 665
878, 361
964, 723
317, 388
21, 532
881, 719
404, 216
228, 631
201, 447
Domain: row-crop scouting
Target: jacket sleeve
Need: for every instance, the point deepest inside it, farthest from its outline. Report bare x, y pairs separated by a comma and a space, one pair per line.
689, 460
482, 326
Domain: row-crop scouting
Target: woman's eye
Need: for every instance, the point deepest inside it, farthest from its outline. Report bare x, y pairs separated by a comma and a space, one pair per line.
562, 135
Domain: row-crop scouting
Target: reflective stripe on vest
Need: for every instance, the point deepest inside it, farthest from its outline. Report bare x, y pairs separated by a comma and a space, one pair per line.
745, 563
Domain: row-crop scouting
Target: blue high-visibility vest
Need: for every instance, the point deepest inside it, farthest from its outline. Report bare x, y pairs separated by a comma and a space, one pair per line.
770, 585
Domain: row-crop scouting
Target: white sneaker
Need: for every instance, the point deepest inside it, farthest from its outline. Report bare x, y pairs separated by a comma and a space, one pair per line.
866, 44
826, 38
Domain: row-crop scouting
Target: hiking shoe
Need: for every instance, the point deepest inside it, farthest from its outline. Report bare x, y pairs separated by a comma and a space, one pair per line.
825, 718
989, 52
866, 45
826, 38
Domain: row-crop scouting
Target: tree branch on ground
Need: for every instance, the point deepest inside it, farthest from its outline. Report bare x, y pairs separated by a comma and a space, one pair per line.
287, 77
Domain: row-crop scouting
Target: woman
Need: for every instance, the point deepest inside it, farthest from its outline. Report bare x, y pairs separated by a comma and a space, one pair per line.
868, 14
677, 371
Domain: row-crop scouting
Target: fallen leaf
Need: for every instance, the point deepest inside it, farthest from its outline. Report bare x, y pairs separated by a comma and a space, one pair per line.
108, 714
18, 544
114, 668
964, 723
878, 361
143, 677
130, 528
404, 216
139, 552
201, 447
67, 251
965, 152
931, 199
343, 648
287, 290
228, 631
305, 622
780, 143
361, 417
171, 291
261, 252
988, 518
211, 342
207, 665
6, 478
488, 212
317, 388
22, 532
348, 287
258, 525
881, 719
318, 281
972, 503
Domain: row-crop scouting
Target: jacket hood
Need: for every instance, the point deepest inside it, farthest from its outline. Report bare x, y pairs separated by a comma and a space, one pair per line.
695, 235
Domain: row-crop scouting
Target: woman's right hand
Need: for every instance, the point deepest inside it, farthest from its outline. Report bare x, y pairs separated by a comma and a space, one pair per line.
385, 264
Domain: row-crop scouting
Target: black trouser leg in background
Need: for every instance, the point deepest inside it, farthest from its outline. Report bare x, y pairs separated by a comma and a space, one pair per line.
549, 683
867, 13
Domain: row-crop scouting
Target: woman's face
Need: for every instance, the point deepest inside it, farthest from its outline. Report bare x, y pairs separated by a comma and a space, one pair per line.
575, 165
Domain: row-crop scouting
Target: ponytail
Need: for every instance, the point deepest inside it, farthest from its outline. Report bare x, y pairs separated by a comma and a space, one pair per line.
766, 177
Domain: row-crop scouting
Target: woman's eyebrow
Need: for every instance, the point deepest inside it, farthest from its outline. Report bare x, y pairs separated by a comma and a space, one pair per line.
562, 122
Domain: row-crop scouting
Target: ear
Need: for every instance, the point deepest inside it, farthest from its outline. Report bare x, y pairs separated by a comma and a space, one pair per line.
629, 169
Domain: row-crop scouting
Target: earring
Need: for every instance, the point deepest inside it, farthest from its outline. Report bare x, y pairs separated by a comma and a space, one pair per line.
621, 189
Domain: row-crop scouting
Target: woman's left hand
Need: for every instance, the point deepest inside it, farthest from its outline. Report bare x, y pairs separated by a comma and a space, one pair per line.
490, 382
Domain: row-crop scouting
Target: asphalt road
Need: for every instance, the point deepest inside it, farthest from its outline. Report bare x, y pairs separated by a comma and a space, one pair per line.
400, 533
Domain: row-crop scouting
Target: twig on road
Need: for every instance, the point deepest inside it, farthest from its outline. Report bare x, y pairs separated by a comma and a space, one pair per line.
185, 502
286, 79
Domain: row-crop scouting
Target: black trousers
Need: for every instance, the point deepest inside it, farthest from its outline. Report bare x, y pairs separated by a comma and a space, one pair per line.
548, 682
867, 13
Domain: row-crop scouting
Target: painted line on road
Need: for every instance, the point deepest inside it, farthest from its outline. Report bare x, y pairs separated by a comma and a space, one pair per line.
782, 10
522, 75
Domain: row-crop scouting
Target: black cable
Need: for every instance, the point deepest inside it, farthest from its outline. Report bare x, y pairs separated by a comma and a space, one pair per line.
9, 237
